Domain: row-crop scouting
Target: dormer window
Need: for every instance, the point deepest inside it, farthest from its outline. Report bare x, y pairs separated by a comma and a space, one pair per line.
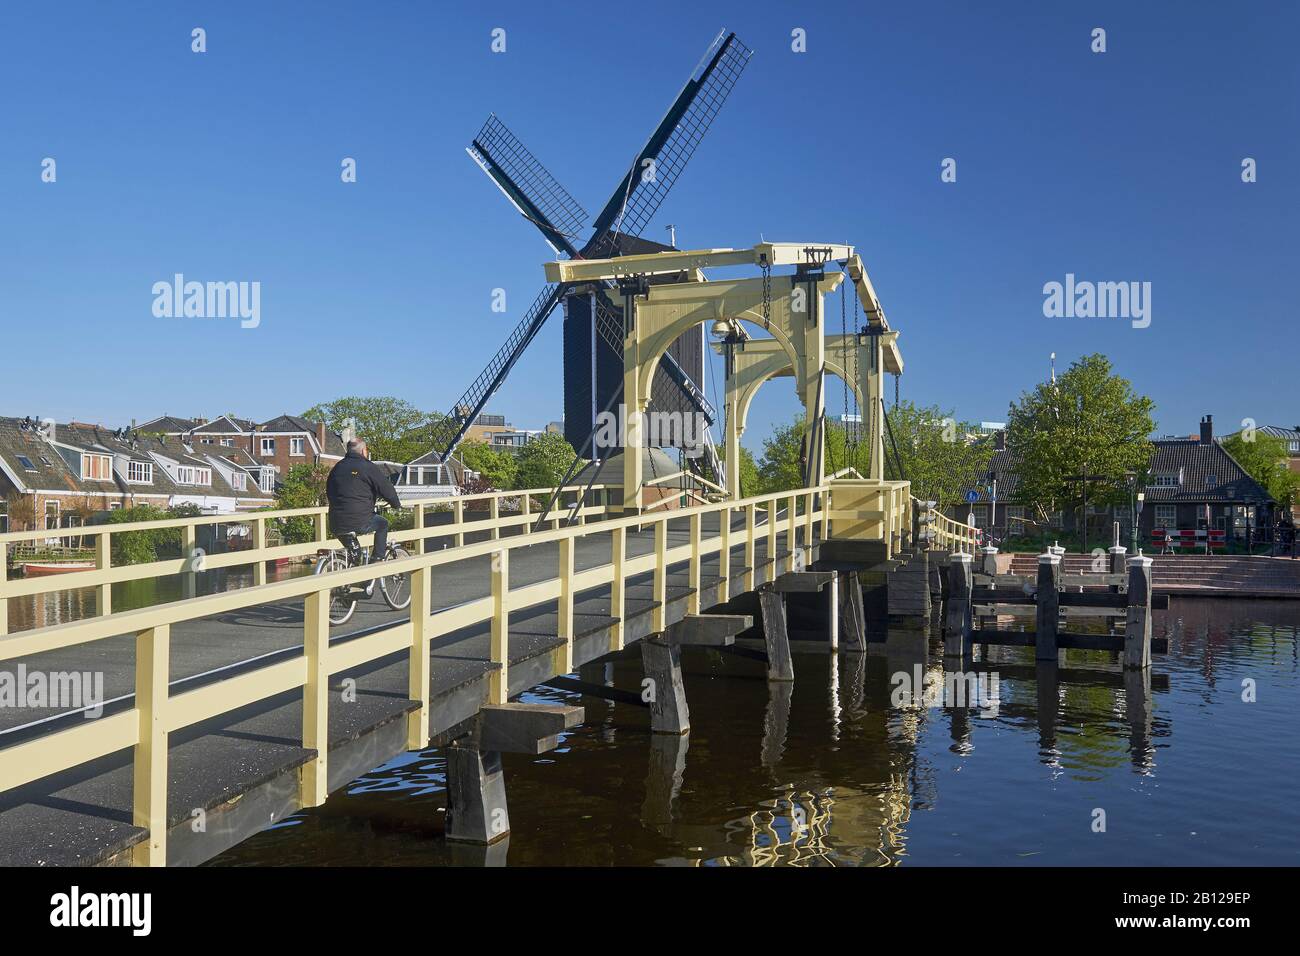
239, 481
139, 472
26, 463
189, 475
1211, 481
1164, 481
96, 467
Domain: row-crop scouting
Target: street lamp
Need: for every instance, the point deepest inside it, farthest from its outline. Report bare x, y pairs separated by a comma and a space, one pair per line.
1137, 517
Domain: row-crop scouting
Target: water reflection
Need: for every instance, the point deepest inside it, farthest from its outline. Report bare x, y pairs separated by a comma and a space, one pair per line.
828, 771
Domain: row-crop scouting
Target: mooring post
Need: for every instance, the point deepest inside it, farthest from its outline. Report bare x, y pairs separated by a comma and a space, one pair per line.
833, 611
1137, 626
957, 634
780, 666
662, 664
1118, 556
1048, 600
988, 560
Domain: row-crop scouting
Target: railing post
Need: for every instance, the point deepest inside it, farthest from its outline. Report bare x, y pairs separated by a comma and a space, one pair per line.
751, 523
499, 682
771, 539
322, 523
693, 573
460, 522
617, 600
149, 772
315, 698
418, 674
494, 514
660, 576
4, 601
808, 523
259, 545
724, 554
189, 545
791, 529
526, 509
104, 561
419, 526
564, 654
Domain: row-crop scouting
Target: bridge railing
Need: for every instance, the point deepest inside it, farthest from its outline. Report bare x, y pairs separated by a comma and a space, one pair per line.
505, 511
156, 712
949, 535
871, 509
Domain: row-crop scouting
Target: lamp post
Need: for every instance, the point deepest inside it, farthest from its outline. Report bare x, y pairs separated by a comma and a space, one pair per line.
1137, 518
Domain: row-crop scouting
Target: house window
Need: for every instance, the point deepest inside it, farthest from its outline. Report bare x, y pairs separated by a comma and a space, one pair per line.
266, 479
297, 446
1015, 517
1166, 516
114, 505
1164, 481
51, 514
981, 516
228, 442
26, 462
1211, 481
268, 446
139, 472
4, 516
206, 441
1294, 447
238, 481
96, 467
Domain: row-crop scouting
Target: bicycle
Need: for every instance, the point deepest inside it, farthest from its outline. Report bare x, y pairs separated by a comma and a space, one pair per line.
395, 588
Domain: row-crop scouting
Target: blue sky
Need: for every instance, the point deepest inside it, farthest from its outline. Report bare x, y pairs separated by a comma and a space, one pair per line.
225, 165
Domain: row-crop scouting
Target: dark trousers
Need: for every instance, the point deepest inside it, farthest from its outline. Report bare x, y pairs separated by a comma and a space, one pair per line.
379, 527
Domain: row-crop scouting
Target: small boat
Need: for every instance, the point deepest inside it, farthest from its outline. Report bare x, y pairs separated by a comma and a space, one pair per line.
36, 569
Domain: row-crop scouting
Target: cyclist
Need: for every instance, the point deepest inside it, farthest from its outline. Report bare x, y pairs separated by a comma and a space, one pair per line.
353, 487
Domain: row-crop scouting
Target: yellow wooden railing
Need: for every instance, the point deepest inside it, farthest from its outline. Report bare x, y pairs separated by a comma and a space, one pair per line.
949, 535
504, 510
872, 510
157, 712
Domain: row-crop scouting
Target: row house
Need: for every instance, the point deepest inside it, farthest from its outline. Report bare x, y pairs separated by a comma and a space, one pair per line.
1188, 484
58, 475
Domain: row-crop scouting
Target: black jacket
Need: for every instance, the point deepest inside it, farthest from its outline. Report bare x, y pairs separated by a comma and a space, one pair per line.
353, 486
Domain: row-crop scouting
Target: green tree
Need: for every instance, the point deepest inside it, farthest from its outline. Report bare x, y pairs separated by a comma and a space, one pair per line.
394, 429
749, 479
935, 452
303, 487
1091, 422
498, 468
544, 461
1264, 458
781, 466
145, 545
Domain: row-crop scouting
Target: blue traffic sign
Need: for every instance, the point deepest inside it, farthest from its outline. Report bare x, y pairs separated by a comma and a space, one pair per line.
972, 496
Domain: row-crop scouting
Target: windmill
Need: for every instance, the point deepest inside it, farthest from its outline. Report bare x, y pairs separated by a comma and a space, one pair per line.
592, 316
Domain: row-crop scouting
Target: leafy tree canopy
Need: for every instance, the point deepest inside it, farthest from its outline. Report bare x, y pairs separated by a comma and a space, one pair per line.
936, 452
394, 429
1264, 458
498, 468
1091, 422
544, 461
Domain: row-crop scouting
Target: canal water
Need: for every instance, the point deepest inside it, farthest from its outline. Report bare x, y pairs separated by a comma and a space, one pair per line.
1067, 765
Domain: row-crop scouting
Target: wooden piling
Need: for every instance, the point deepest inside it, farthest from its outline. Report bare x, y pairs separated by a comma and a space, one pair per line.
1137, 625
1048, 600
957, 632
780, 665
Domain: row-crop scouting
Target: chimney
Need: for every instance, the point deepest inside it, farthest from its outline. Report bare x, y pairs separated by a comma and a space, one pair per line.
1000, 440
320, 435
1207, 430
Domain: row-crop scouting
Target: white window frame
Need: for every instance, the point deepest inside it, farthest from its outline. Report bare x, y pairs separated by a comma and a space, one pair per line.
267, 446
1166, 516
1164, 481
262, 481
981, 512
297, 447
87, 457
239, 481
228, 442
139, 472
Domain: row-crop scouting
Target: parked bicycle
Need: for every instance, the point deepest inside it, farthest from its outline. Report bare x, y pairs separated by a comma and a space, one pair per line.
394, 588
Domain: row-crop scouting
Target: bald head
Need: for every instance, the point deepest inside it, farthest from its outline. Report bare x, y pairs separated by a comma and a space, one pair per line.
358, 445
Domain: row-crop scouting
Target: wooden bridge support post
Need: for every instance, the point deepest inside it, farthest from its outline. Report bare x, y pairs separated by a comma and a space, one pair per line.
693, 570
476, 795
1137, 626
459, 512
957, 632
499, 681
724, 555
314, 785
833, 611
662, 662
189, 551
617, 595
418, 667
780, 665
660, 577
418, 543
1048, 603
852, 612
259, 544
751, 519
564, 653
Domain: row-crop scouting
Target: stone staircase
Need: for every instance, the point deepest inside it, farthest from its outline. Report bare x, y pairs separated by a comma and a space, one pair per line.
1212, 575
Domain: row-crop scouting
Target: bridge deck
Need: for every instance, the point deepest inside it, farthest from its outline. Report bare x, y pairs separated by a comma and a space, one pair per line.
241, 769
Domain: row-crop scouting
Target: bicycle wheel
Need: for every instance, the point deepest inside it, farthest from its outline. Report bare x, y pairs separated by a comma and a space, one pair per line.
342, 603
396, 588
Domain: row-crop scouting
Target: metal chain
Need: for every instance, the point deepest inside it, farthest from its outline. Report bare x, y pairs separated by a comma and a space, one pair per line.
767, 290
